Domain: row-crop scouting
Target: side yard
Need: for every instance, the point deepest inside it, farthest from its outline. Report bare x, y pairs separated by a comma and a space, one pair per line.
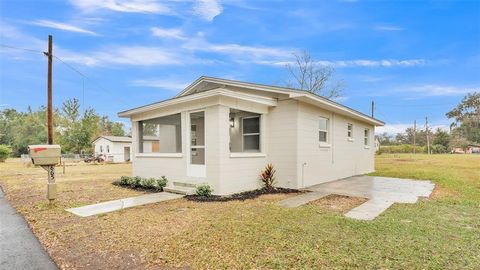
440, 232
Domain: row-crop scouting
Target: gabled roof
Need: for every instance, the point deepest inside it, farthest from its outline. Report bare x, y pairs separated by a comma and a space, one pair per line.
115, 138
206, 84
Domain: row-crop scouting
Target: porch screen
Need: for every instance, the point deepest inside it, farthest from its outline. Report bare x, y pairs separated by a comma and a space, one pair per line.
160, 135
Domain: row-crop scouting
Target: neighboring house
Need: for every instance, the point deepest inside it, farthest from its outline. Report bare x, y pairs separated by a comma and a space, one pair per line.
471, 149
223, 133
377, 145
115, 148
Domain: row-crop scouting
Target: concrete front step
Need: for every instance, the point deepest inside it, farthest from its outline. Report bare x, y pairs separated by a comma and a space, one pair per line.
180, 190
185, 184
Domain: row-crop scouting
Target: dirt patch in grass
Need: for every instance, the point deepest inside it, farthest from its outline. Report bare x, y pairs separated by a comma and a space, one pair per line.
243, 195
338, 203
440, 192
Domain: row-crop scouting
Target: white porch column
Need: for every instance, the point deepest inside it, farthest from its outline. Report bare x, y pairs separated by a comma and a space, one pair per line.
216, 143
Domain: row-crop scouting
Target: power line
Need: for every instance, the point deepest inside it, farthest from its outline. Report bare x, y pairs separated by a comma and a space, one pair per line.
19, 48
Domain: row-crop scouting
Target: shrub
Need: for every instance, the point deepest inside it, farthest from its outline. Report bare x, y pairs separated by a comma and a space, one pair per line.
124, 180
204, 190
149, 183
267, 176
135, 181
438, 149
162, 182
5, 152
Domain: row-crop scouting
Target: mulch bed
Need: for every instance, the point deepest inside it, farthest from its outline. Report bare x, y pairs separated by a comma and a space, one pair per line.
151, 190
242, 196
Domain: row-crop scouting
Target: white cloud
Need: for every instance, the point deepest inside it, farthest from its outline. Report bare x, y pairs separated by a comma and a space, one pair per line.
357, 63
63, 26
174, 33
168, 84
240, 53
438, 90
207, 9
387, 28
126, 55
132, 6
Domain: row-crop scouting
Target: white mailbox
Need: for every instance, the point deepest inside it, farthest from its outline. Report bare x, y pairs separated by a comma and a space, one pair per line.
45, 155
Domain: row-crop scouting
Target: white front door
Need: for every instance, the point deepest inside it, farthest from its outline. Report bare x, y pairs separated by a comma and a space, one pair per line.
196, 150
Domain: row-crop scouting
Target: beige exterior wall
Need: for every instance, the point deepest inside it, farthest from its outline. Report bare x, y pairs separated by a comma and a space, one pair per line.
341, 157
289, 139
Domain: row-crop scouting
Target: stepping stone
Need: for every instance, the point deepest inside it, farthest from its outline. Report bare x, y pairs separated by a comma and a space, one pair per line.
110, 206
369, 210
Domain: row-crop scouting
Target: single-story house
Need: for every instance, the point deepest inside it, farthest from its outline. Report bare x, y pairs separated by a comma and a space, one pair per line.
223, 132
115, 148
471, 149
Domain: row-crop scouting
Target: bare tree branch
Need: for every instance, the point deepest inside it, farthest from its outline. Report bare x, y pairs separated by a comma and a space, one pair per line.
307, 75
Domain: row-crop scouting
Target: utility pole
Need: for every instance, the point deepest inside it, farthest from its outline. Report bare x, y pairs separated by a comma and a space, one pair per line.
414, 135
428, 139
373, 107
49, 54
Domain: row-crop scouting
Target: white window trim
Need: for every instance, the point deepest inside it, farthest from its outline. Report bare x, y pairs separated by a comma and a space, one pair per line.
366, 145
159, 155
259, 134
350, 136
247, 154
327, 143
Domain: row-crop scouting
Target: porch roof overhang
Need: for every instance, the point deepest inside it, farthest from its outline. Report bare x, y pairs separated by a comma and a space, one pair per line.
216, 92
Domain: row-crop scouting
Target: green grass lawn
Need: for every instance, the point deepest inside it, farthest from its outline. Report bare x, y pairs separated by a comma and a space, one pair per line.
442, 232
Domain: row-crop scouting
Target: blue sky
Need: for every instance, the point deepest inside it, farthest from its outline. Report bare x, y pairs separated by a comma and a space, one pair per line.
413, 58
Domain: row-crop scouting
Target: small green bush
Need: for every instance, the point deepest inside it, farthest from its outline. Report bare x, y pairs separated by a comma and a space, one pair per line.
5, 152
149, 183
124, 180
162, 182
438, 149
204, 190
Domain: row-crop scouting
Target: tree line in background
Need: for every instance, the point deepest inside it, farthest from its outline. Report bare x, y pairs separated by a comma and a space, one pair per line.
464, 131
74, 129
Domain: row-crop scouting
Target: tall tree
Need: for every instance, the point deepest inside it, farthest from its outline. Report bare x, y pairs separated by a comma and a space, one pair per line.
441, 137
467, 117
307, 74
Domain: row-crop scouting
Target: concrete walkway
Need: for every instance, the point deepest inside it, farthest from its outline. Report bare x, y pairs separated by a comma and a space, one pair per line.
110, 206
19, 248
382, 192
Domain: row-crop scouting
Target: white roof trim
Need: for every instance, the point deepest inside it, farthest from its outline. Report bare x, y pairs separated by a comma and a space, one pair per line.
201, 95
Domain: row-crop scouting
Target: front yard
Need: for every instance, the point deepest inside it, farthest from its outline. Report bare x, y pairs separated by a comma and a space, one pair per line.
440, 232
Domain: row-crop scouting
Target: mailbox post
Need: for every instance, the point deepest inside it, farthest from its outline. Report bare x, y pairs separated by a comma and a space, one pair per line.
47, 156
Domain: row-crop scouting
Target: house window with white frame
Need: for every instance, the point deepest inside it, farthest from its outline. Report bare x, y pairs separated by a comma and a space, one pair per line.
160, 135
366, 139
101, 149
251, 133
245, 131
323, 130
108, 148
350, 131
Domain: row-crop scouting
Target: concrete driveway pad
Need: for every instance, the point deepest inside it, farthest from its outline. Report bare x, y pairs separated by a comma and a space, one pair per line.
382, 192
110, 206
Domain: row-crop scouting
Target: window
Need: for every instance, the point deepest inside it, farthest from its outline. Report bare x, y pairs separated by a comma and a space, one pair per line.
160, 135
323, 130
101, 148
244, 131
108, 148
350, 130
251, 133
366, 136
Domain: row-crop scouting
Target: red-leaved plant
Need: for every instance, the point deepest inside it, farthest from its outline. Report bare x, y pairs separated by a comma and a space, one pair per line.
267, 176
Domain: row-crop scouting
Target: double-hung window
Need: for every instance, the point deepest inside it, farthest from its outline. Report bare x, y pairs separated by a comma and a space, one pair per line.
350, 131
323, 130
366, 139
251, 133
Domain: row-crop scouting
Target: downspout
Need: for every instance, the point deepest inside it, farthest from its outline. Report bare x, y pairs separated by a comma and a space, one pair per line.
303, 174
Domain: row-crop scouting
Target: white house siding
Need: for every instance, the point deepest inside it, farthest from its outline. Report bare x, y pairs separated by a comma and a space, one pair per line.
343, 158
282, 141
116, 153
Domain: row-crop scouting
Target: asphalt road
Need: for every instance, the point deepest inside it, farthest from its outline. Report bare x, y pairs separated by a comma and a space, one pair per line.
19, 248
